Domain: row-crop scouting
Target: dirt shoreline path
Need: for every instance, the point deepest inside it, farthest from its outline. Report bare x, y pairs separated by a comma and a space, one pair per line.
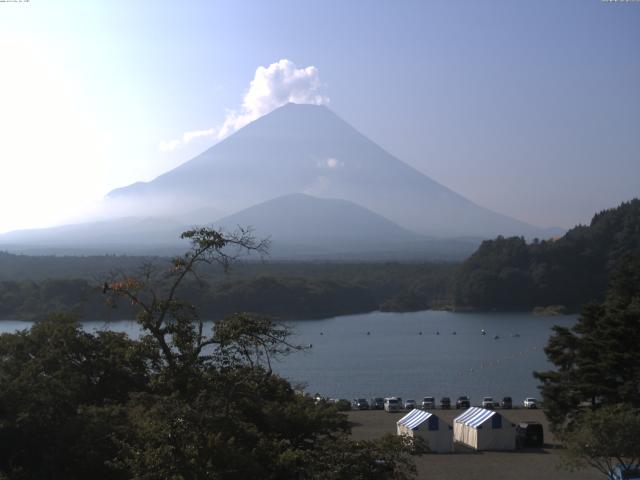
527, 464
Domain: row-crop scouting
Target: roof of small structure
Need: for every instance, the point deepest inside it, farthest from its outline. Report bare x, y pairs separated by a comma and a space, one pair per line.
414, 418
475, 416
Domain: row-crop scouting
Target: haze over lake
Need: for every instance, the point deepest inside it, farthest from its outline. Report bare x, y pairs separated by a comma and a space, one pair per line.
395, 359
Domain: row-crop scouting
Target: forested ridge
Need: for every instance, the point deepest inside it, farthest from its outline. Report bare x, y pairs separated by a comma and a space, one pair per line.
509, 273
285, 291
503, 274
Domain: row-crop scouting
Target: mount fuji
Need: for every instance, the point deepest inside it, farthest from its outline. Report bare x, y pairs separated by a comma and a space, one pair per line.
309, 149
302, 176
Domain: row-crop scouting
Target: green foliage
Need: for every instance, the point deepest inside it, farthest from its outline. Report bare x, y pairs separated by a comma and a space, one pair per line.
508, 273
285, 291
604, 438
598, 360
307, 298
180, 403
592, 399
387, 458
30, 300
50, 378
343, 405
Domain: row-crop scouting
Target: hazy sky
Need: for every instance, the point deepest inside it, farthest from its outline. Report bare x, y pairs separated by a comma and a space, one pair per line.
530, 108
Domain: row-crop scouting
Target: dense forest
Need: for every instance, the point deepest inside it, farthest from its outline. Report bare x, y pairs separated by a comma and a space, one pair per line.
184, 401
509, 273
285, 291
503, 274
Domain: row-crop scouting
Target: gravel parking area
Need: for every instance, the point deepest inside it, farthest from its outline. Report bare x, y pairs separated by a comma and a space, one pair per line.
534, 464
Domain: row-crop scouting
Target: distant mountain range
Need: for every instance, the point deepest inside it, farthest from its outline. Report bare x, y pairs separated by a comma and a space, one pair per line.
133, 235
304, 177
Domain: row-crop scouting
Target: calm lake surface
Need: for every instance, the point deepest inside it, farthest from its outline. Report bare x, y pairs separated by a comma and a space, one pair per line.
393, 358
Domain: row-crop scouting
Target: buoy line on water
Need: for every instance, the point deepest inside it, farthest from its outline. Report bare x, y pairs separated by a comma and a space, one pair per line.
454, 332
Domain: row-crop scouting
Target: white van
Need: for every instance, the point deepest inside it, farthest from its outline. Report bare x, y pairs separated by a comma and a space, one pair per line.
392, 404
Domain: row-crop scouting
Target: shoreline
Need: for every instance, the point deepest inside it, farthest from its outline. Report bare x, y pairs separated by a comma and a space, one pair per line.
550, 311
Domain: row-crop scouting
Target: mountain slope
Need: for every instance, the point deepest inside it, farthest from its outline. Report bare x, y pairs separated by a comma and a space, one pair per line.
508, 273
122, 235
301, 227
309, 149
328, 224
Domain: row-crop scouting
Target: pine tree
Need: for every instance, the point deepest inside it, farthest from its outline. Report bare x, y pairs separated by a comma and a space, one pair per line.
597, 360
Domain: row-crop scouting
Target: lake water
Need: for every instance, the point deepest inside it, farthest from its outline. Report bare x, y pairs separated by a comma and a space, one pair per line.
384, 354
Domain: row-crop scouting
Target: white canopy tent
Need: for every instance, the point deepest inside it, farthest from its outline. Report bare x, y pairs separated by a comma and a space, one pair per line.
484, 429
437, 434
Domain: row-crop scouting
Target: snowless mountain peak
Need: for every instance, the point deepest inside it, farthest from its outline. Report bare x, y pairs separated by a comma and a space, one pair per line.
300, 148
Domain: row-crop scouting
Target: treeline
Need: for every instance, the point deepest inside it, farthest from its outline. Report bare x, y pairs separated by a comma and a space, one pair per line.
509, 273
325, 291
27, 300
41, 267
503, 274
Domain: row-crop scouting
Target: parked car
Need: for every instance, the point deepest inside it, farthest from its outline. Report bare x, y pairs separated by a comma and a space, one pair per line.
392, 404
487, 402
360, 404
445, 403
428, 402
506, 402
377, 403
624, 472
530, 402
529, 434
463, 402
409, 404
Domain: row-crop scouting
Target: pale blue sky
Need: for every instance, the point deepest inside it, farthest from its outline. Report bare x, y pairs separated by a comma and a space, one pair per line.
531, 108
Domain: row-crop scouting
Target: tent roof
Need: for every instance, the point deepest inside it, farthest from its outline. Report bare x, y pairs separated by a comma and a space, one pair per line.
414, 418
475, 416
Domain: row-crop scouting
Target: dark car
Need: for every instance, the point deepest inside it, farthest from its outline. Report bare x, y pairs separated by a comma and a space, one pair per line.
463, 402
360, 404
377, 403
506, 402
488, 403
428, 402
529, 434
410, 405
445, 403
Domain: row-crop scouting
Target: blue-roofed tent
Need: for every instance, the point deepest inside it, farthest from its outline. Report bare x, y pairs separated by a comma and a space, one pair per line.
437, 434
484, 429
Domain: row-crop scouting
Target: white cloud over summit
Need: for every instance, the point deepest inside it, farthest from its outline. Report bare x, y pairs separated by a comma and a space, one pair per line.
273, 86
